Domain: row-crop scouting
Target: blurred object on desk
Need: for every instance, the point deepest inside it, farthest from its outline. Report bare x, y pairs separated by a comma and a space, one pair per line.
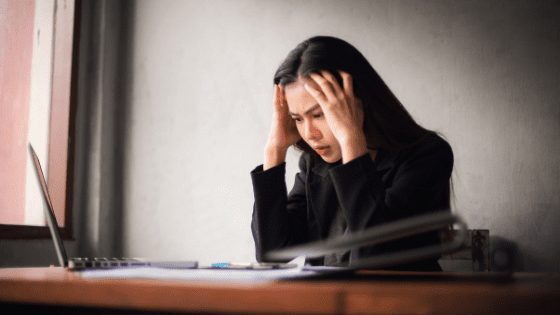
475, 256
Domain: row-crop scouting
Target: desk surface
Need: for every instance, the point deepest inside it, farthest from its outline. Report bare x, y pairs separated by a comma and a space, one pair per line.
375, 291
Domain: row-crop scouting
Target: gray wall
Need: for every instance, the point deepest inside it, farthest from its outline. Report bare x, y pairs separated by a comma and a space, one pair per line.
483, 73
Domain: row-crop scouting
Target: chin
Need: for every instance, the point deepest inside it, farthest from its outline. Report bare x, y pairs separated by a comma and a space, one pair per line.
330, 159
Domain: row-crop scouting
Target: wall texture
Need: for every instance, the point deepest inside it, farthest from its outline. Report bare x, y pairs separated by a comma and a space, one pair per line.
483, 73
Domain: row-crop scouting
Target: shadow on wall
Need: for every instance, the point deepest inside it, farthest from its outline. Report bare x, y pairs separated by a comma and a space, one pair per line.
504, 255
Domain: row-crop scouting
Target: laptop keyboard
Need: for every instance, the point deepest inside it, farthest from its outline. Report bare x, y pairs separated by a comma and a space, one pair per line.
77, 263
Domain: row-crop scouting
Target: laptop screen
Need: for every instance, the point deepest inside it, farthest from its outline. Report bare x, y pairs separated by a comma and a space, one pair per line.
49, 212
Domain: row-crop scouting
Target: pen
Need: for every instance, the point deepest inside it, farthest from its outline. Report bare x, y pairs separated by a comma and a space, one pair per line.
231, 265
242, 265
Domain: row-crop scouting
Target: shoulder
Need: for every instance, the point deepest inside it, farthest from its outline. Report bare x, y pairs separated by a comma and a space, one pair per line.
434, 143
432, 147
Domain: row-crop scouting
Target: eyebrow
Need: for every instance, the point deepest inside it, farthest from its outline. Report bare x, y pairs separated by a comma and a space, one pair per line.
314, 107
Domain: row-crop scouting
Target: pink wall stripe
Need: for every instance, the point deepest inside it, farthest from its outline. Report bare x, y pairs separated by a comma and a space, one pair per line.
16, 49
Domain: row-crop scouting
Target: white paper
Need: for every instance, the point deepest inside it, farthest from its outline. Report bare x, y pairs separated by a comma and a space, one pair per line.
196, 274
201, 274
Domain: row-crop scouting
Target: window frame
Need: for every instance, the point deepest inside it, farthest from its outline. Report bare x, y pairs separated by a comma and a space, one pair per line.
61, 126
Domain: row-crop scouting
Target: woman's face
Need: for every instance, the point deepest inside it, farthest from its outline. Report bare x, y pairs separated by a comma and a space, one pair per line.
310, 121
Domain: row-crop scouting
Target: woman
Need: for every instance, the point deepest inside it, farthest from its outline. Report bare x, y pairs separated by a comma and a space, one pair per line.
365, 161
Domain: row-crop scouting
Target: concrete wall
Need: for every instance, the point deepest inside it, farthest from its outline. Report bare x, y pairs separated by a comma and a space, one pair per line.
483, 73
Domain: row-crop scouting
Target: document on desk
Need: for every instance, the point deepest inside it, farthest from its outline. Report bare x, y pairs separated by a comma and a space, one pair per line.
248, 275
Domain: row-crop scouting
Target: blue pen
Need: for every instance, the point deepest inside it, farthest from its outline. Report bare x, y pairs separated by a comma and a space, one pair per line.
231, 265
220, 265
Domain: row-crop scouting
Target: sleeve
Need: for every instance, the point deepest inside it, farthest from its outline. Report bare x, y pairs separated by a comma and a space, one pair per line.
279, 219
420, 185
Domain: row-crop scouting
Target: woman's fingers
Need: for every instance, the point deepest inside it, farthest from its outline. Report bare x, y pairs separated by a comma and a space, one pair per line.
337, 90
316, 94
324, 85
280, 92
329, 87
347, 83
279, 99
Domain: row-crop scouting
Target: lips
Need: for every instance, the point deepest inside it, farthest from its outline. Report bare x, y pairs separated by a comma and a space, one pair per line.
321, 149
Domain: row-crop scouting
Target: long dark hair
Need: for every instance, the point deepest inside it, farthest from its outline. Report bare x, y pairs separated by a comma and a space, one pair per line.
387, 124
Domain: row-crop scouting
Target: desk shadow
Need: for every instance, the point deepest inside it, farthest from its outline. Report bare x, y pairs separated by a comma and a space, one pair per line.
399, 276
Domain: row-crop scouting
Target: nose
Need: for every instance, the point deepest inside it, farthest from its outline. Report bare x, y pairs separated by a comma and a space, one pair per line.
311, 132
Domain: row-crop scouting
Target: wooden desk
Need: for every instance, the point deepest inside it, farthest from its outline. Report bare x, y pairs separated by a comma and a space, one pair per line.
375, 292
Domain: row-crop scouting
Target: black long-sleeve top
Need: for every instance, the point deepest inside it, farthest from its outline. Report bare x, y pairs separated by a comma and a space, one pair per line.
412, 181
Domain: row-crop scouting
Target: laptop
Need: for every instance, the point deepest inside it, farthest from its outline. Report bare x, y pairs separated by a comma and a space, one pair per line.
83, 263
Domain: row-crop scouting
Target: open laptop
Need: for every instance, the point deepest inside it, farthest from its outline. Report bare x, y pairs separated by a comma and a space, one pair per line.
81, 263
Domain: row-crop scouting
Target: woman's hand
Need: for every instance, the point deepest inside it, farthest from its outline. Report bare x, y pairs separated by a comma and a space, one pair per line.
343, 112
283, 131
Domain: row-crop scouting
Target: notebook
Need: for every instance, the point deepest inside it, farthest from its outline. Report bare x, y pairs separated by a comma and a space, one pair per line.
82, 263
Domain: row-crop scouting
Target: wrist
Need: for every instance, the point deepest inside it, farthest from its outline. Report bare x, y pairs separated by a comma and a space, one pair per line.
274, 156
353, 147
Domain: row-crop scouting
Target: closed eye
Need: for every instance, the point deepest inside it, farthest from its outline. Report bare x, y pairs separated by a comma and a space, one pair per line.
318, 115
297, 119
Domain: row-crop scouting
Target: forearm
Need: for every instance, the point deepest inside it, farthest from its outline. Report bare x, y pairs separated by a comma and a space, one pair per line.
360, 192
277, 218
416, 186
